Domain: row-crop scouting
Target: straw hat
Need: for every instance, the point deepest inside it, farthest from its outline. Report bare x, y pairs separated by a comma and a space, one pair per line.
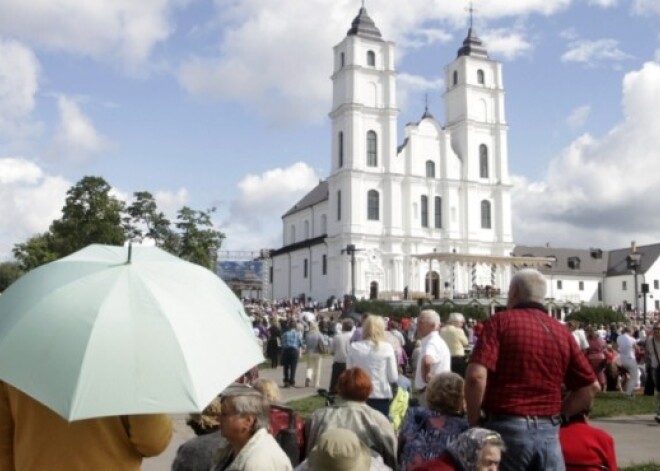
339, 450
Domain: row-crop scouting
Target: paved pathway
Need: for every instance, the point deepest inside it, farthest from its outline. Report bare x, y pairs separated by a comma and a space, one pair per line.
637, 437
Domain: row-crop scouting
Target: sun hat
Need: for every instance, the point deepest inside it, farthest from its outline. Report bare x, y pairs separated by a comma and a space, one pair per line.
339, 450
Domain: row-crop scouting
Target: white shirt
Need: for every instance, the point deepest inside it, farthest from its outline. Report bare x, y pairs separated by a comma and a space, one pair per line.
436, 348
626, 346
581, 339
339, 348
378, 361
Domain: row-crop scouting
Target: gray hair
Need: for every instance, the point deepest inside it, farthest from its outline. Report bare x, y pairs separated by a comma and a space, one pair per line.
248, 401
456, 317
430, 316
444, 393
530, 285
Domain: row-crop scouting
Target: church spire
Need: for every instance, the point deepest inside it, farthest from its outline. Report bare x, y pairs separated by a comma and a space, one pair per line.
472, 45
364, 26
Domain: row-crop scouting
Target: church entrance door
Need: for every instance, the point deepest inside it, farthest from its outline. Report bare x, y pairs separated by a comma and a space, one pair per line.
432, 286
373, 290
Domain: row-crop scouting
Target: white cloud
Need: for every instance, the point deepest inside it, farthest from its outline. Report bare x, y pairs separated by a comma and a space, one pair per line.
126, 30
578, 116
601, 190
76, 139
19, 82
251, 67
409, 86
604, 3
591, 52
29, 200
506, 43
171, 201
646, 6
255, 214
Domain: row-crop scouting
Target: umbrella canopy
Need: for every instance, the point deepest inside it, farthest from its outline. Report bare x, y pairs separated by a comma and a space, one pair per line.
94, 334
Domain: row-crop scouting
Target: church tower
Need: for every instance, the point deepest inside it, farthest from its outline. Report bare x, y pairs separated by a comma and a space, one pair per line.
474, 110
364, 141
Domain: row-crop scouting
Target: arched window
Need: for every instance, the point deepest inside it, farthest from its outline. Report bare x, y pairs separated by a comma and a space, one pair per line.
373, 205
438, 212
340, 150
293, 234
480, 77
305, 268
483, 161
306, 229
324, 224
338, 205
372, 149
342, 60
430, 169
324, 265
485, 215
371, 58
455, 79
425, 211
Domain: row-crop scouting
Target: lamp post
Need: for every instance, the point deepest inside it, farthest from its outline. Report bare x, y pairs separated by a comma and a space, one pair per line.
634, 262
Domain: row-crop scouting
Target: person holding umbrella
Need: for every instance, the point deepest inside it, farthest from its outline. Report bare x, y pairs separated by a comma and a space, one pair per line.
34, 438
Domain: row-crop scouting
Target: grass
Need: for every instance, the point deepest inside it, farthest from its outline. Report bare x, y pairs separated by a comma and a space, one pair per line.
608, 404
612, 404
642, 467
306, 406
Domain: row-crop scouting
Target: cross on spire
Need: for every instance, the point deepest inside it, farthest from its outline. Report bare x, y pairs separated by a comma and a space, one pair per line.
362, 3
426, 102
471, 10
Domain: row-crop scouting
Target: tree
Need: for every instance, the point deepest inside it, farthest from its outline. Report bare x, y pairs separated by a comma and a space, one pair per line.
91, 215
199, 241
37, 250
145, 220
9, 272
596, 316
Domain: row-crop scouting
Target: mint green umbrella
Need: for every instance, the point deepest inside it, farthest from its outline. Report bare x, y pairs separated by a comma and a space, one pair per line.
108, 332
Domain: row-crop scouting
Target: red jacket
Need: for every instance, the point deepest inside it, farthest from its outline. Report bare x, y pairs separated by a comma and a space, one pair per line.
583, 444
444, 462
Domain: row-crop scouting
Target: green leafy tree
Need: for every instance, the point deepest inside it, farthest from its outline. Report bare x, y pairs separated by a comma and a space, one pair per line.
596, 316
9, 272
199, 241
37, 250
91, 215
145, 220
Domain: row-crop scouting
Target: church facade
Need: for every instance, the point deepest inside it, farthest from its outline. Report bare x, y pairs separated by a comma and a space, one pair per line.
391, 204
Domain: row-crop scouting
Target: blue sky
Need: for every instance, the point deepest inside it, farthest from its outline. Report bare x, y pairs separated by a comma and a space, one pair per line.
224, 103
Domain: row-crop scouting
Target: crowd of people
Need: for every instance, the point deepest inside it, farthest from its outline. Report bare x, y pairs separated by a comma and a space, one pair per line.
511, 393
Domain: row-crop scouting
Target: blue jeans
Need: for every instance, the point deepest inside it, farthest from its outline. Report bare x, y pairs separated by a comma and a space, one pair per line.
289, 365
531, 444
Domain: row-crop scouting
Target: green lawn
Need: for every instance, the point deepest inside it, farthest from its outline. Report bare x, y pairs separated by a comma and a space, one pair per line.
642, 467
609, 404
612, 404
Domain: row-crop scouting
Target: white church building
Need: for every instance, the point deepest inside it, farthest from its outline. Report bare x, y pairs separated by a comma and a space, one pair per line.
427, 214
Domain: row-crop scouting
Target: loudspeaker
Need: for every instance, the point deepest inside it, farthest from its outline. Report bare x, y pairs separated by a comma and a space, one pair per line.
645, 288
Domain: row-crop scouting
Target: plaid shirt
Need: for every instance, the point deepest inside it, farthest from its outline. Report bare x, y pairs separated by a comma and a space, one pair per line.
292, 339
527, 362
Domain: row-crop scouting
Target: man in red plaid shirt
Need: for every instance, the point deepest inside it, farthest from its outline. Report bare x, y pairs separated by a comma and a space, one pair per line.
515, 377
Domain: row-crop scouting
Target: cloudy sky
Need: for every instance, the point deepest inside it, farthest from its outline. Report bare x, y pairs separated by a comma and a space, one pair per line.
224, 104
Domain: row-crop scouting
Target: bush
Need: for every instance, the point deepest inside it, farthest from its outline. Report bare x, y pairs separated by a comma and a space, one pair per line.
384, 308
596, 316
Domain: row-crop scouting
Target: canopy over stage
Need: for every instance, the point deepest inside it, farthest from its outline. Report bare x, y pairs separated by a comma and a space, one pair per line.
463, 258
